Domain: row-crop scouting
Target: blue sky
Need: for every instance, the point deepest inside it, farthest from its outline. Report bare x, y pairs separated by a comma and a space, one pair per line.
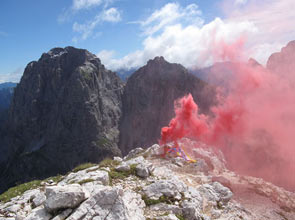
126, 33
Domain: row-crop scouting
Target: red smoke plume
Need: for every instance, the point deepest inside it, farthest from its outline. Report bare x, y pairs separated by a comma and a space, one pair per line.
254, 123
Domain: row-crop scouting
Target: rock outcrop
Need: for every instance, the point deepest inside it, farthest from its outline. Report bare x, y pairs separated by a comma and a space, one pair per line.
65, 111
148, 101
170, 192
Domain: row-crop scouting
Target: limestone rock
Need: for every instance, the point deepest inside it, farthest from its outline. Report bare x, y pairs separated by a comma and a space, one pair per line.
122, 167
63, 215
39, 213
170, 188
155, 150
63, 197
110, 203
134, 152
142, 170
39, 199
99, 176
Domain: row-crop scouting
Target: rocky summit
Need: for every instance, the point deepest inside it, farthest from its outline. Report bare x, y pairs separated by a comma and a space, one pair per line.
282, 63
149, 97
145, 186
65, 111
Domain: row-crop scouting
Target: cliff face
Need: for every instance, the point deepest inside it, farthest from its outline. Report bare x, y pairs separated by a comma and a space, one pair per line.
149, 97
65, 111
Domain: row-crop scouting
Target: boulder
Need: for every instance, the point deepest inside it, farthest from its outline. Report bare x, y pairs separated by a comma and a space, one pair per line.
170, 188
142, 170
63, 197
134, 152
39, 199
99, 176
123, 167
112, 204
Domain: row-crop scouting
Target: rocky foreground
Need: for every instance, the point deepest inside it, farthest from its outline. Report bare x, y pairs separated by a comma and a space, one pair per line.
144, 185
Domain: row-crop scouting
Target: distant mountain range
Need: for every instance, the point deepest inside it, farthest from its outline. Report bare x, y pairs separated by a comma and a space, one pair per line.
6, 94
7, 85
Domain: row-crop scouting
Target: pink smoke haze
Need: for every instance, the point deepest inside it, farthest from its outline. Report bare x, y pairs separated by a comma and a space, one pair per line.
253, 124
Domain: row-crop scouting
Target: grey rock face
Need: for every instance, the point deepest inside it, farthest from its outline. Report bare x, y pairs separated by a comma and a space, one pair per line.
149, 97
65, 111
110, 203
59, 197
38, 213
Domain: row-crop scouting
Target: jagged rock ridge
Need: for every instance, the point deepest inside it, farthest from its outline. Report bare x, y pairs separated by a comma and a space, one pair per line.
148, 101
65, 111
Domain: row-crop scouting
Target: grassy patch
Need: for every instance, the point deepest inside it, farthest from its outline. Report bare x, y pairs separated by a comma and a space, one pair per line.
85, 181
107, 162
162, 199
113, 174
19, 190
83, 167
180, 217
55, 179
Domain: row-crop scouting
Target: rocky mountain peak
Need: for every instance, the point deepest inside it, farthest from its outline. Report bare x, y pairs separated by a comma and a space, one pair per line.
282, 63
65, 111
149, 97
157, 60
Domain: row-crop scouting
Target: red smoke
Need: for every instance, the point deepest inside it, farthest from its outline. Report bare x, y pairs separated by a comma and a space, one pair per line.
254, 124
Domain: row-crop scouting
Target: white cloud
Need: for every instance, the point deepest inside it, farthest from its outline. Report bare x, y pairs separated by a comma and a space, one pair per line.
106, 54
274, 21
181, 37
169, 14
85, 4
78, 5
86, 30
12, 77
111, 15
189, 45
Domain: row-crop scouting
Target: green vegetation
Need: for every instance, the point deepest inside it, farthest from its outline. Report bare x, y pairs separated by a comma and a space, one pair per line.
180, 217
114, 174
83, 167
19, 190
55, 179
85, 74
85, 181
108, 162
162, 199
